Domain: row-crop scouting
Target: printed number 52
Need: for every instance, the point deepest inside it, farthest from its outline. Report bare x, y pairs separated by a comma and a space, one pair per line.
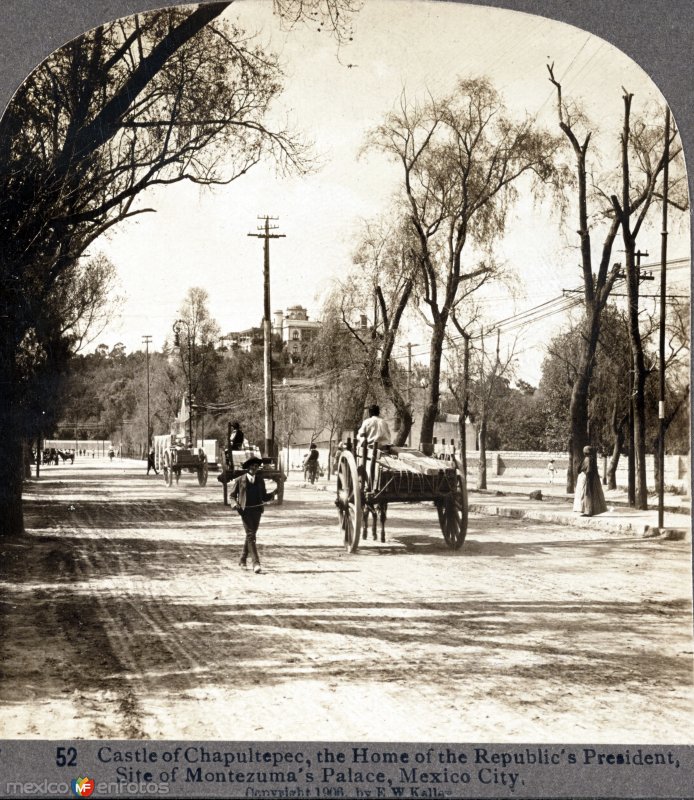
66, 757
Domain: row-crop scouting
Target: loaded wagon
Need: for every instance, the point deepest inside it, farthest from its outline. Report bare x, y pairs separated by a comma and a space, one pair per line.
375, 476
232, 466
172, 457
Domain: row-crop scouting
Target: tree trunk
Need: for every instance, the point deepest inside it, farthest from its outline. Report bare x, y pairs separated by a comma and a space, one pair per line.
11, 468
463, 442
403, 411
578, 407
578, 420
482, 470
618, 434
640, 375
431, 409
570, 469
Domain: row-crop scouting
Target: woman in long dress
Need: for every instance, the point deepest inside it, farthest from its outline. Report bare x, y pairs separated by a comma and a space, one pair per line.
589, 499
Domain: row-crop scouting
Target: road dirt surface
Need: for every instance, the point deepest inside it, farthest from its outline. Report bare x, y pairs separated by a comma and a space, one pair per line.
125, 615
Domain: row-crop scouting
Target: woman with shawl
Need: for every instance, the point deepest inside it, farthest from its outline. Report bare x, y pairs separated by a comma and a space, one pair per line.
589, 499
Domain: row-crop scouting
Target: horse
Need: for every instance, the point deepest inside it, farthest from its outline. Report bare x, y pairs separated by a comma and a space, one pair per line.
378, 511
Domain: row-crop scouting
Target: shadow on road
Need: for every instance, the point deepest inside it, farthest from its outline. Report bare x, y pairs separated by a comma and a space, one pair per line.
127, 632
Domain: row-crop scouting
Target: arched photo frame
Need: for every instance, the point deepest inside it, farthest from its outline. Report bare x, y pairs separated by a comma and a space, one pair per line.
630, 27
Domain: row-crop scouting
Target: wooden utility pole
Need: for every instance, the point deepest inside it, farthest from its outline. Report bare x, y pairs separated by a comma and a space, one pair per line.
631, 459
661, 355
147, 339
466, 401
267, 328
409, 387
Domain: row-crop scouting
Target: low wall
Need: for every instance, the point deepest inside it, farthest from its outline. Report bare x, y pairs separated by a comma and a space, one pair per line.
534, 464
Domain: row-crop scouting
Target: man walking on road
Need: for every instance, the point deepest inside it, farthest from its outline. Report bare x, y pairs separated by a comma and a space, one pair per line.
248, 490
150, 461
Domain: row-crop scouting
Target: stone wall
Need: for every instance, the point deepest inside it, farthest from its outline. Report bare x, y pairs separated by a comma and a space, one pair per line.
534, 465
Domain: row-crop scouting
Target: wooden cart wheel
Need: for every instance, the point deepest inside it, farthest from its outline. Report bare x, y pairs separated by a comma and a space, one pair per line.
348, 501
453, 514
203, 472
168, 472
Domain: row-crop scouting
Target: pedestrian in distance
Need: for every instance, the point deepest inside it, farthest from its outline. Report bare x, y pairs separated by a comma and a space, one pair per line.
374, 429
551, 471
150, 461
249, 495
311, 463
589, 499
236, 437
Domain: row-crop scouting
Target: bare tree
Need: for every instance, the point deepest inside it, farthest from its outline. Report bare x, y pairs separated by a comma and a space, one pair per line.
630, 211
597, 284
386, 257
461, 157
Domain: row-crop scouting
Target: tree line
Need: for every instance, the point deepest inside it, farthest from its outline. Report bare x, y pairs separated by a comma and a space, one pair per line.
180, 94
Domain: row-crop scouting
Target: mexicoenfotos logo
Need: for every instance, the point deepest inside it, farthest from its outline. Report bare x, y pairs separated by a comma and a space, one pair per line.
83, 787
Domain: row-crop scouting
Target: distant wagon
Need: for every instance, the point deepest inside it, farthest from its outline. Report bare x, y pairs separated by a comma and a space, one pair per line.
172, 457
273, 469
373, 477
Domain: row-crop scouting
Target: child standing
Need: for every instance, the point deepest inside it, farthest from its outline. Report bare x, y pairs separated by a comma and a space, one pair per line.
550, 471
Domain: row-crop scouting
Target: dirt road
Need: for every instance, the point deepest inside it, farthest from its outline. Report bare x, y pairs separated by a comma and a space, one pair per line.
125, 614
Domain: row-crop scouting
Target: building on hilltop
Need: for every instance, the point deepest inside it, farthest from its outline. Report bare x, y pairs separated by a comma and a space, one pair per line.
243, 340
295, 330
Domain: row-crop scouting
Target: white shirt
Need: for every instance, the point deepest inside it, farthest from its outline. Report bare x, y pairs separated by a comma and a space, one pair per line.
374, 429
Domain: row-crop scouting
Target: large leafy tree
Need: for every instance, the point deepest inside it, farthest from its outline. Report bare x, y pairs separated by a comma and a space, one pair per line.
383, 283
151, 100
197, 338
461, 158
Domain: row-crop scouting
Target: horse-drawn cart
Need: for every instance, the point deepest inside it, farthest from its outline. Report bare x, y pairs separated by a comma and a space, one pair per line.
172, 456
272, 470
375, 477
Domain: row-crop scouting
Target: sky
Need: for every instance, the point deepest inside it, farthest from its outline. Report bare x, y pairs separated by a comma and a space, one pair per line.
199, 236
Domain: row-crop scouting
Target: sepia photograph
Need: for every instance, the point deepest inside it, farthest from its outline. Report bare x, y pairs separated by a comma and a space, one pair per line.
345, 368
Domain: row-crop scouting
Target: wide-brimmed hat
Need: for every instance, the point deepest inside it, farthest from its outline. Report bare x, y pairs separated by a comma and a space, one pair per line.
253, 461
587, 450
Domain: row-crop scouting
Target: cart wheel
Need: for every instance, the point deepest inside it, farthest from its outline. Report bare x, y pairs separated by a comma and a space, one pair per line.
348, 501
168, 472
453, 515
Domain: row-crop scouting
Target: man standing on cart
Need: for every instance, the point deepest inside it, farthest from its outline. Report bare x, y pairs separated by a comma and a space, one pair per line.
236, 437
248, 491
374, 429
